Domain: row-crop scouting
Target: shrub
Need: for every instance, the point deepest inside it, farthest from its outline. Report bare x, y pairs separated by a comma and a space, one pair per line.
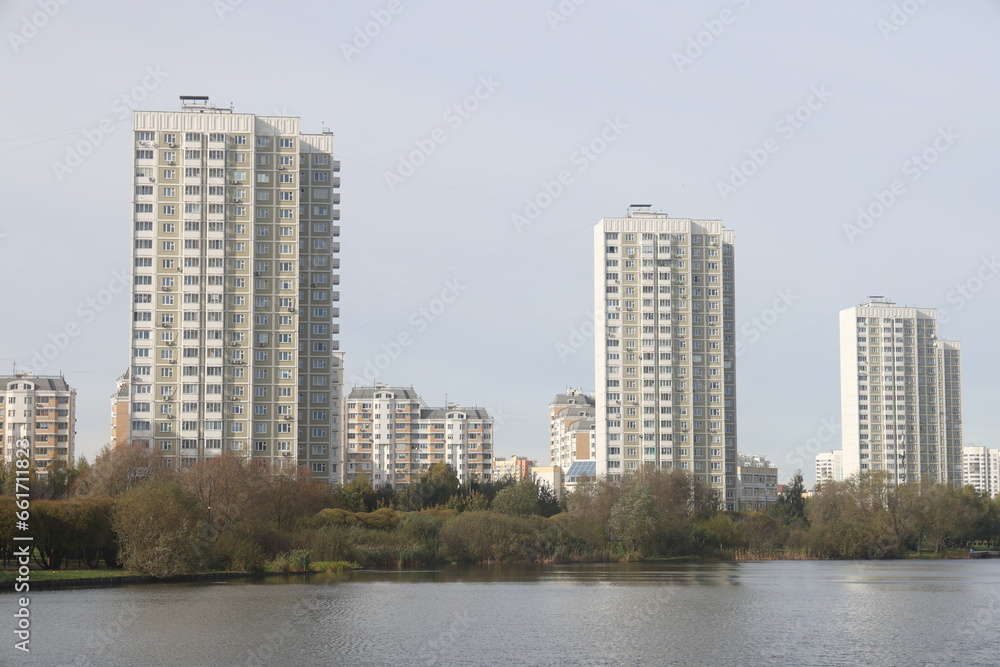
161, 530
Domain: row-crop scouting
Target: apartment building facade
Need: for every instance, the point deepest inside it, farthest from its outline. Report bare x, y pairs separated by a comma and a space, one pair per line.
901, 394
666, 362
571, 428
757, 482
392, 437
981, 469
234, 289
830, 467
42, 410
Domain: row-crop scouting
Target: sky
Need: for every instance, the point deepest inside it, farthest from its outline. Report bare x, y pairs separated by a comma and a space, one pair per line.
848, 144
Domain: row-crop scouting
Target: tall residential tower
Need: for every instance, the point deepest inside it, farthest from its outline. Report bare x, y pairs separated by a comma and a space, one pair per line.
666, 364
900, 394
234, 289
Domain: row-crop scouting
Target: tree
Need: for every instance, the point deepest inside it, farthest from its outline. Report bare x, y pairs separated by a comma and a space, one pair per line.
434, 488
633, 518
225, 487
790, 507
284, 498
119, 470
161, 530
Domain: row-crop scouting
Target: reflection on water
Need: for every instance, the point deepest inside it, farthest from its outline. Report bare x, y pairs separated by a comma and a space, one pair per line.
817, 613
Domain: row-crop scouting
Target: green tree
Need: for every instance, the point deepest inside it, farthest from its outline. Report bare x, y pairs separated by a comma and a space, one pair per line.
633, 518
434, 488
790, 507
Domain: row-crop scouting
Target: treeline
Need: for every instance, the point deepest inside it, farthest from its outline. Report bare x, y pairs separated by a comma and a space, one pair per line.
127, 510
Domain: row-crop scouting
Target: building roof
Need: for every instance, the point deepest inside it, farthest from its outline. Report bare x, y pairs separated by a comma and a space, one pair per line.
574, 399
406, 393
41, 382
442, 413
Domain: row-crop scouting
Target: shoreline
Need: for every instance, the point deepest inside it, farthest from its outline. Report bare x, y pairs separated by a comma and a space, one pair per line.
129, 580
210, 577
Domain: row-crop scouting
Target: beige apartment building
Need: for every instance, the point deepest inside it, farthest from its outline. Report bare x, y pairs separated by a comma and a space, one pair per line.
234, 316
571, 428
757, 482
900, 394
666, 358
42, 410
392, 437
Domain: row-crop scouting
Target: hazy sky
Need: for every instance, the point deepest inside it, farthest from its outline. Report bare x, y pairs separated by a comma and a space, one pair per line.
480, 143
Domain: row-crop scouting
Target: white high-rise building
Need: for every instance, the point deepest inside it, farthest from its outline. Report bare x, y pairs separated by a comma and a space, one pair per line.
235, 289
981, 469
900, 394
665, 336
830, 466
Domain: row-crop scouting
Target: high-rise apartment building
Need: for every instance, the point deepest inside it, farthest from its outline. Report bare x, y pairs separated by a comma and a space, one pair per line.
900, 394
571, 429
392, 437
666, 363
830, 467
235, 289
42, 410
981, 469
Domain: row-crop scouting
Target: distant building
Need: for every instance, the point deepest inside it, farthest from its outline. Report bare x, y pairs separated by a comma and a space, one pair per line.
571, 428
756, 482
830, 467
550, 476
41, 409
665, 326
580, 472
981, 469
392, 437
120, 411
516, 467
900, 394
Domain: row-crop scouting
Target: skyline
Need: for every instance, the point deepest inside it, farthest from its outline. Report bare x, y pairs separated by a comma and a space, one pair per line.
848, 157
